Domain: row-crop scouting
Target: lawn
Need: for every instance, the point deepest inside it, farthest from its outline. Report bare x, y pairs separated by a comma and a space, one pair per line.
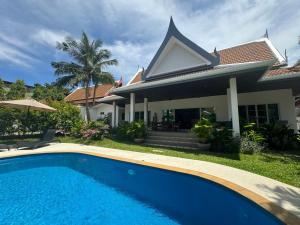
284, 167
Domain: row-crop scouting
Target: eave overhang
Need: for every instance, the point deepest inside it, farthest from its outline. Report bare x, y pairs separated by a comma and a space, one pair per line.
233, 70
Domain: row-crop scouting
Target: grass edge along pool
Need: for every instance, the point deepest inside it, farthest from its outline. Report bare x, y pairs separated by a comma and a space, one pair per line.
187, 198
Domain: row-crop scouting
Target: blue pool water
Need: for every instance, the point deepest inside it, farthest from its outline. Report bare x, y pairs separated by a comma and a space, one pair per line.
81, 189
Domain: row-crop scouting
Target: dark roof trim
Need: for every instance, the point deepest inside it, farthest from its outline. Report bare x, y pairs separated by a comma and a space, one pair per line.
172, 31
219, 71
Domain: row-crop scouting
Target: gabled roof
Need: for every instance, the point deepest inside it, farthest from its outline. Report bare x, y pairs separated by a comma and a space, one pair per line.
78, 95
257, 50
173, 33
137, 77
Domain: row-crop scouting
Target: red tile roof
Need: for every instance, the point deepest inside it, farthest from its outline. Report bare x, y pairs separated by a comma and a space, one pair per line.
137, 77
78, 96
281, 71
253, 51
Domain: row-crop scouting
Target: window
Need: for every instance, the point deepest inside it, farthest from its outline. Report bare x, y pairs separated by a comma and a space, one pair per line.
273, 113
123, 116
262, 114
102, 115
140, 115
259, 114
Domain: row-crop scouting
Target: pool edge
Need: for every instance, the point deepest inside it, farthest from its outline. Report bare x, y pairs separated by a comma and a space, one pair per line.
282, 214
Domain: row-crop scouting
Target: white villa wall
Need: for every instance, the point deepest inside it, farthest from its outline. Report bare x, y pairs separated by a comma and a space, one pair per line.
283, 98
97, 109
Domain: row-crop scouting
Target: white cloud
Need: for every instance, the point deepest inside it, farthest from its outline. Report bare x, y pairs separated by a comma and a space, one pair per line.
134, 28
130, 56
12, 55
49, 37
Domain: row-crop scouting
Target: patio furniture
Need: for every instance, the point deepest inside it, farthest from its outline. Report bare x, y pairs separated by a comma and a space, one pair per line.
46, 139
4, 147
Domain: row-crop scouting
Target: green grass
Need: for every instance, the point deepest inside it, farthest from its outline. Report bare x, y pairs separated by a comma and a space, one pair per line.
284, 167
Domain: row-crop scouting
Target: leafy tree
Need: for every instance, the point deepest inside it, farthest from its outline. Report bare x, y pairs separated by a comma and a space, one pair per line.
17, 90
49, 92
65, 116
89, 61
2, 90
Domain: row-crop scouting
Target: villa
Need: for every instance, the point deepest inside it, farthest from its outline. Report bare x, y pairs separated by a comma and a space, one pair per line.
249, 82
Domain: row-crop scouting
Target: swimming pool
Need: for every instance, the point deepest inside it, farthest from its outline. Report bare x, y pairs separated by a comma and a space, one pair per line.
73, 188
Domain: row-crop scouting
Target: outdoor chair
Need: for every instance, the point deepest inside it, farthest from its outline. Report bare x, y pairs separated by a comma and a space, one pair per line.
46, 139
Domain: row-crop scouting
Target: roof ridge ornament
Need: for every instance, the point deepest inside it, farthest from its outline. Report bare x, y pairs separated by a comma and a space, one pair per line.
266, 35
285, 56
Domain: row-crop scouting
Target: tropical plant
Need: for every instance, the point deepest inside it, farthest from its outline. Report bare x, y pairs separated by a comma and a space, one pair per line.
278, 136
93, 134
126, 130
137, 129
248, 146
222, 140
88, 65
49, 92
203, 129
251, 133
2, 90
65, 116
17, 90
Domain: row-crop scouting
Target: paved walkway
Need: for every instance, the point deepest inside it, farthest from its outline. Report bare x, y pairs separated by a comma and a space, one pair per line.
284, 195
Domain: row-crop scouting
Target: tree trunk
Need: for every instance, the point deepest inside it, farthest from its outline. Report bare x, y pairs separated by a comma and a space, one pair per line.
94, 94
87, 111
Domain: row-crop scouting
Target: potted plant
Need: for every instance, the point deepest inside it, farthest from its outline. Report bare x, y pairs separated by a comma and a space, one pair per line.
203, 129
137, 131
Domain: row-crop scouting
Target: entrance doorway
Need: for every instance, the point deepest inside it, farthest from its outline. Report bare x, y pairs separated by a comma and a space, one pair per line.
186, 118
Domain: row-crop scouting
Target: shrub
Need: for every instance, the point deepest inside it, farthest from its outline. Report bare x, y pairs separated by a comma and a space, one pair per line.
93, 134
251, 141
251, 134
65, 117
203, 129
279, 136
222, 140
77, 128
136, 129
247, 146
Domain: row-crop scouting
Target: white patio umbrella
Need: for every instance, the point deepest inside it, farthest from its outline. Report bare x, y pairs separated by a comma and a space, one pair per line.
27, 104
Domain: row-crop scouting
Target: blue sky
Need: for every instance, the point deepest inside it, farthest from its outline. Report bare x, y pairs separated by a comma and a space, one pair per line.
134, 29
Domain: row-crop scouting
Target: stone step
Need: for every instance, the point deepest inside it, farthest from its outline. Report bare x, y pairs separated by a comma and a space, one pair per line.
169, 146
172, 143
171, 134
169, 138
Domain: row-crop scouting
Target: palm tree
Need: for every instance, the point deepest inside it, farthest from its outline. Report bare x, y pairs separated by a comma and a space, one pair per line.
89, 61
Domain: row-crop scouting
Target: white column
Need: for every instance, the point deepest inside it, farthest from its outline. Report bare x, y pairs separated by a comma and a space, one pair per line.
113, 117
117, 116
132, 105
146, 111
234, 107
228, 104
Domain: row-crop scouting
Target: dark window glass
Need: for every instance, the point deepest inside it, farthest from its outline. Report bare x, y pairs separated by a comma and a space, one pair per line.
243, 114
273, 113
123, 116
136, 116
262, 114
252, 113
142, 115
